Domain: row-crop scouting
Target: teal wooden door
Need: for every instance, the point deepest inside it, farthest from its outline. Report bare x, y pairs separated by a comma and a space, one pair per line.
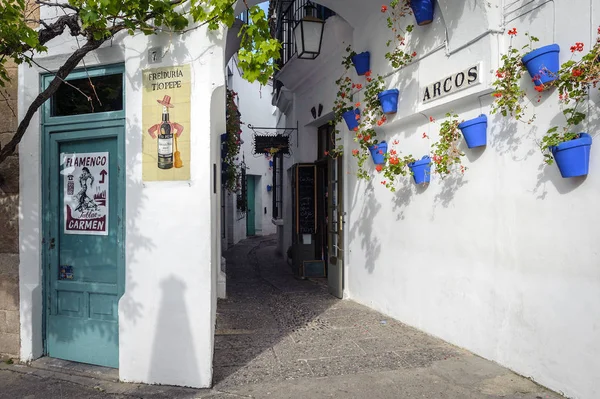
85, 256
251, 214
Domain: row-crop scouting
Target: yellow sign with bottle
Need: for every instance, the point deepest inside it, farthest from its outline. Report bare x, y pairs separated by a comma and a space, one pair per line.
166, 123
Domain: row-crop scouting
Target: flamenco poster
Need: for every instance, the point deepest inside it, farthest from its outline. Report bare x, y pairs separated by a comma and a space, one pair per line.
86, 193
166, 123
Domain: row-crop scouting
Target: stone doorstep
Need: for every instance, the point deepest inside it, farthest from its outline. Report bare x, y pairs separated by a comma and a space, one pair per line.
74, 368
107, 385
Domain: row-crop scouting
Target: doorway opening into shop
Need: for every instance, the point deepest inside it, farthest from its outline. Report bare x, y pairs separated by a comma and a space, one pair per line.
317, 208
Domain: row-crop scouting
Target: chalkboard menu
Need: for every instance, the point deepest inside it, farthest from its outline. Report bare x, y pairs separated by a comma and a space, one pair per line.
306, 192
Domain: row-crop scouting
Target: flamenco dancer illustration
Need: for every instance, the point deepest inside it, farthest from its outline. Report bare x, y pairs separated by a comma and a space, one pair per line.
167, 132
85, 202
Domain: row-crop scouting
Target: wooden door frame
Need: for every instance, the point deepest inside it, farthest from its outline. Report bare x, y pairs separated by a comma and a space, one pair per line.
66, 126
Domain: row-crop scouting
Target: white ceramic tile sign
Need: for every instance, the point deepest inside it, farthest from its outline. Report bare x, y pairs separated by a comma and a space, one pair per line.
451, 84
85, 177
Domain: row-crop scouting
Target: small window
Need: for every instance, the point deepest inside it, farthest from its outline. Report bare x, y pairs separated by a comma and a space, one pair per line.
108, 96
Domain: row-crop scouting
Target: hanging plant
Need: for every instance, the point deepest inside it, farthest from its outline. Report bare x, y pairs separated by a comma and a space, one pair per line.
395, 165
372, 115
398, 56
445, 153
508, 93
232, 143
343, 106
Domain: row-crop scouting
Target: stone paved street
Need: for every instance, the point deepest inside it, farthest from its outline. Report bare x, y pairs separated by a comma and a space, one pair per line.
282, 338
291, 338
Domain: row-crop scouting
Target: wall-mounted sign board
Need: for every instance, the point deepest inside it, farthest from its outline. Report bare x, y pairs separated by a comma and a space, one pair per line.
267, 144
306, 199
451, 84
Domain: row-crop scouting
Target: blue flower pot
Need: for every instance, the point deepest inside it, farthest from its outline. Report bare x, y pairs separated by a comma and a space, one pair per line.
421, 170
543, 64
362, 62
573, 157
223, 137
423, 10
389, 101
378, 152
350, 118
223, 152
475, 131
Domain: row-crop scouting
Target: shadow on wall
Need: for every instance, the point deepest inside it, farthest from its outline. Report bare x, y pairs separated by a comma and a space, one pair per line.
363, 226
173, 322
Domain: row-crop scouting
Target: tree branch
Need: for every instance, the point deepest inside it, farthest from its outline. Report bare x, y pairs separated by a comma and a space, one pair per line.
61, 5
62, 73
57, 28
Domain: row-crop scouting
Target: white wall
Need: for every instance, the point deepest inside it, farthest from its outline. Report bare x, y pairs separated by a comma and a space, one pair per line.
166, 316
502, 261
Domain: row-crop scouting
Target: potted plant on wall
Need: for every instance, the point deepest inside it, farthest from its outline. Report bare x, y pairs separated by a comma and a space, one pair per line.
423, 10
365, 134
361, 62
475, 131
542, 65
343, 105
565, 145
421, 170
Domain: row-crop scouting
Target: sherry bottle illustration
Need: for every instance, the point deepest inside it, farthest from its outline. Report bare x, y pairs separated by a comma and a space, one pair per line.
165, 142
167, 132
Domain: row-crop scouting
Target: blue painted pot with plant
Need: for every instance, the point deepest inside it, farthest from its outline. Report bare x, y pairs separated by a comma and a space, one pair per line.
421, 170
362, 62
423, 11
352, 118
389, 101
378, 152
573, 157
543, 64
475, 131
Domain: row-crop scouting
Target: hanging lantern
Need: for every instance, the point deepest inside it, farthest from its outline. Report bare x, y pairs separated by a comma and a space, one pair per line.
308, 33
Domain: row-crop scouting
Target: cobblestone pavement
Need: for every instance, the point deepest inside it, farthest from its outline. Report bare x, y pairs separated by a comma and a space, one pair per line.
282, 338
279, 334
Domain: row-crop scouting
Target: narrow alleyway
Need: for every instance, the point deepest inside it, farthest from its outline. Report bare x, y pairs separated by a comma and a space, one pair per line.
285, 338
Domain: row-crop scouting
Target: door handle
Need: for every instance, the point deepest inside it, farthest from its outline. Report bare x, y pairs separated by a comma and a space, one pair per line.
52, 243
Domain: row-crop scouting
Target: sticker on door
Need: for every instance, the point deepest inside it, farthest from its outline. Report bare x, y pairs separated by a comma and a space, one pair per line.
86, 193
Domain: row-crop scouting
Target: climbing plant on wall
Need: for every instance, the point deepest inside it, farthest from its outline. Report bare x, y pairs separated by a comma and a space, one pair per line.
98, 22
233, 140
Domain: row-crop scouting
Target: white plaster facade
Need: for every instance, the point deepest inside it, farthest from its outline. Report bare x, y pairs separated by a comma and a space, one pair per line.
502, 262
167, 314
